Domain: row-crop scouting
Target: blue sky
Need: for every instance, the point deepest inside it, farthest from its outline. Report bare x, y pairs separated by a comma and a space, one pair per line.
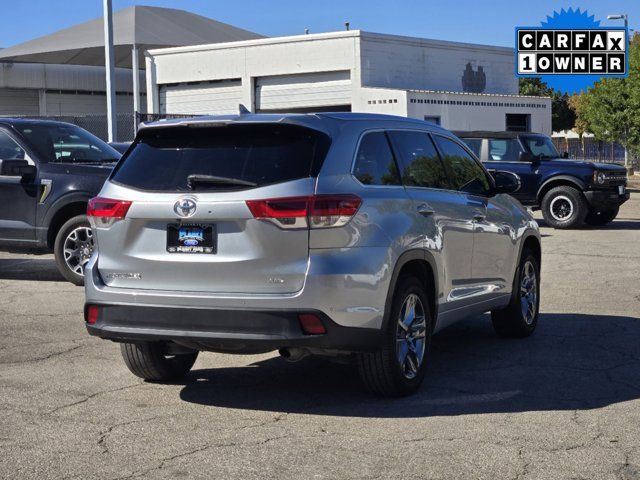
474, 21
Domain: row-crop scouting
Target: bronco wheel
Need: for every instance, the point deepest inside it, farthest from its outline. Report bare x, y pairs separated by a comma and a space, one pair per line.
152, 361
602, 218
520, 317
398, 367
564, 207
73, 248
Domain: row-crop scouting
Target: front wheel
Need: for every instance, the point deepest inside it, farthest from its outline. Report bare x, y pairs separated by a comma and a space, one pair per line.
152, 361
602, 218
398, 367
73, 248
520, 317
564, 207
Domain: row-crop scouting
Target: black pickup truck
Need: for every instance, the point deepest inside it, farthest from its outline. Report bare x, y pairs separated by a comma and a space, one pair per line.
48, 172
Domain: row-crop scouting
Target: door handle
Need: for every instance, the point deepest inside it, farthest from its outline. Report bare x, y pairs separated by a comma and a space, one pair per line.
425, 210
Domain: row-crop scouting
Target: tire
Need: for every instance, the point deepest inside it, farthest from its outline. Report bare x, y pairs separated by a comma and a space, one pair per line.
381, 371
602, 218
564, 207
517, 320
150, 361
71, 266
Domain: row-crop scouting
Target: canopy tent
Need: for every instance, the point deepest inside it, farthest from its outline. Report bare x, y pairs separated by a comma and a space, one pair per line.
135, 29
144, 27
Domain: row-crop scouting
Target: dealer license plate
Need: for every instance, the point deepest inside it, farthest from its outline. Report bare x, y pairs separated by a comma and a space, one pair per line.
191, 238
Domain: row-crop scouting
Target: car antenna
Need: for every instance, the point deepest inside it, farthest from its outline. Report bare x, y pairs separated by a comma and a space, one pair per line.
243, 110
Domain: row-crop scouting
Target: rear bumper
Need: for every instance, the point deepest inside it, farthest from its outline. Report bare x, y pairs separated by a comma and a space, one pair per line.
348, 285
226, 330
605, 199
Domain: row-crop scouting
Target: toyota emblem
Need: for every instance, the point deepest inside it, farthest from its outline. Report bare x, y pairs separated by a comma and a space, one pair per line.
185, 207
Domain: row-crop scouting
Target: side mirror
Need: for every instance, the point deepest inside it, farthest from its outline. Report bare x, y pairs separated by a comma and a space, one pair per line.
565, 154
506, 182
526, 157
17, 168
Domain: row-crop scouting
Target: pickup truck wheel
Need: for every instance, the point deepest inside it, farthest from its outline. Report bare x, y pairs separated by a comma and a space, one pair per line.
520, 317
151, 361
602, 218
399, 366
73, 248
564, 207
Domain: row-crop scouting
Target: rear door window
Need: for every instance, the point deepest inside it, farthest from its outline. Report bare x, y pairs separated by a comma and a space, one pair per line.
221, 157
504, 150
465, 172
375, 164
419, 161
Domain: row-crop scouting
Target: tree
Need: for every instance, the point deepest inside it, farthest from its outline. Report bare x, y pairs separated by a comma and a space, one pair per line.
562, 116
611, 108
580, 125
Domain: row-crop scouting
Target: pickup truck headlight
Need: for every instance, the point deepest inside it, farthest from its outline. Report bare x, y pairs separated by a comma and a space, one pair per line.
599, 177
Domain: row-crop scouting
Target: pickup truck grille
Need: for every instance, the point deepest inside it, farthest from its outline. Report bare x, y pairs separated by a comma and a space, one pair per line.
616, 179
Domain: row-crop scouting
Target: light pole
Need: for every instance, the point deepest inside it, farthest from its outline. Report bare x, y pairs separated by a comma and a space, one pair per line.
109, 64
625, 17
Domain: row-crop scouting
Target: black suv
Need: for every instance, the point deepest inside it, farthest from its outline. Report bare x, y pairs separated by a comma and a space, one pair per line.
48, 172
569, 192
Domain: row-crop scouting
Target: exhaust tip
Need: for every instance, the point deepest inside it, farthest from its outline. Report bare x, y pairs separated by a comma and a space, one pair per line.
293, 354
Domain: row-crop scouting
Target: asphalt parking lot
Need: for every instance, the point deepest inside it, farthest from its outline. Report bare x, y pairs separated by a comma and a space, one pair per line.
562, 404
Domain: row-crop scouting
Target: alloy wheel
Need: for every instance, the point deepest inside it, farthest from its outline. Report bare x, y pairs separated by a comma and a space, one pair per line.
528, 293
78, 248
561, 208
410, 336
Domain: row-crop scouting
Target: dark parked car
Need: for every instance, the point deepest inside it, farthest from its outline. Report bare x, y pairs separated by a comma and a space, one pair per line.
120, 146
569, 192
48, 172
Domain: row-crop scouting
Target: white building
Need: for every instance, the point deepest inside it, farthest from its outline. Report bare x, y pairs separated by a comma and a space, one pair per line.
461, 86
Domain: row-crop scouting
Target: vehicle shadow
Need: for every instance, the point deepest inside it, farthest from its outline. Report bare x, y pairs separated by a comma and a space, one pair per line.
572, 362
618, 224
30, 268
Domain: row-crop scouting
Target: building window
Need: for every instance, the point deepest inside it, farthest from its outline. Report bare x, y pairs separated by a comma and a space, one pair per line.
432, 119
518, 122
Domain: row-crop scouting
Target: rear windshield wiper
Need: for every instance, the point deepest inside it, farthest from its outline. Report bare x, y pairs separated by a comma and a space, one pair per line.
194, 179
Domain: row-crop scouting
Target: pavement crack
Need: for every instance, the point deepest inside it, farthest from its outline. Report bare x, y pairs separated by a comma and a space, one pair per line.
89, 397
104, 435
46, 357
276, 419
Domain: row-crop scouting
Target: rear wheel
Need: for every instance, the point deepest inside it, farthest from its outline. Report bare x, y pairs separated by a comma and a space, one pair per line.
152, 361
602, 218
564, 207
520, 317
398, 367
73, 248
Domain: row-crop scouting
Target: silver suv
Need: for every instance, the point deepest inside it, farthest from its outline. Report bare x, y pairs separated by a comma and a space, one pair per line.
352, 235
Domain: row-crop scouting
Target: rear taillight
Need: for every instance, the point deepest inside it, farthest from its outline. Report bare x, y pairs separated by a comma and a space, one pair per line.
314, 211
104, 212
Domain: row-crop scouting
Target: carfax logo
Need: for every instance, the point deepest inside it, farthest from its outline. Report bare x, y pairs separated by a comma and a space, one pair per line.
570, 51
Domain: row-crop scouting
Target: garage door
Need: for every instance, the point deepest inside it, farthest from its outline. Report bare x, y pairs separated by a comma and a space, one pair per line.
306, 91
201, 98
18, 102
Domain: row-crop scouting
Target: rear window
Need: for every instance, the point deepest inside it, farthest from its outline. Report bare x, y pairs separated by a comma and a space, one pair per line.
221, 157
